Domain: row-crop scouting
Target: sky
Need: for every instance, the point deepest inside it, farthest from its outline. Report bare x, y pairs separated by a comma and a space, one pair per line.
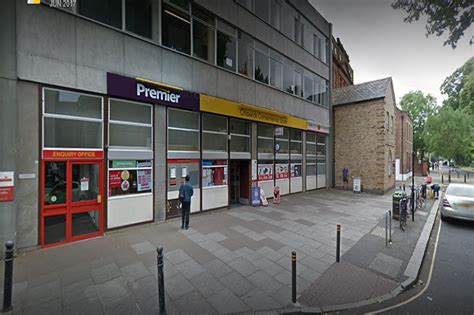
380, 44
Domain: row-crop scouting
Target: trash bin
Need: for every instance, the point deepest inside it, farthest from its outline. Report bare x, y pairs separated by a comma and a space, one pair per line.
396, 197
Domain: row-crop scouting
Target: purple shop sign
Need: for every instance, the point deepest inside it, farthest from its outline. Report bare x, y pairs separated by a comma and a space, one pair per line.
138, 90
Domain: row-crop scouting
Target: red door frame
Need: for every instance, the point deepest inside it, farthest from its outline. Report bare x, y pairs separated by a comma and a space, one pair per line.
70, 207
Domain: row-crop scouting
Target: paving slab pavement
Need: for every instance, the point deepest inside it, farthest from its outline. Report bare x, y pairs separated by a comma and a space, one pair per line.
229, 261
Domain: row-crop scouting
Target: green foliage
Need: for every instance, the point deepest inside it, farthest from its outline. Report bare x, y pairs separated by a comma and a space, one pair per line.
450, 134
459, 87
419, 107
453, 16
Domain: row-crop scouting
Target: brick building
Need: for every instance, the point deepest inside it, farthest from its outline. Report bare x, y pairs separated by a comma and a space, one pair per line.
403, 144
364, 116
341, 68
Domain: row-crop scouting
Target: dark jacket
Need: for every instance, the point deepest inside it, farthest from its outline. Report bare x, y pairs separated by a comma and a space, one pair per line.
186, 192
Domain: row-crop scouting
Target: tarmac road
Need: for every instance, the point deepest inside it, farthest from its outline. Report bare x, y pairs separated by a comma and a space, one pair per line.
451, 288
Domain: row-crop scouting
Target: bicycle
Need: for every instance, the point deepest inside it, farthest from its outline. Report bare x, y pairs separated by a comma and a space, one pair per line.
403, 213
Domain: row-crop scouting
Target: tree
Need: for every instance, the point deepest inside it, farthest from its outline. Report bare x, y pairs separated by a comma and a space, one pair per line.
419, 107
454, 16
450, 134
459, 87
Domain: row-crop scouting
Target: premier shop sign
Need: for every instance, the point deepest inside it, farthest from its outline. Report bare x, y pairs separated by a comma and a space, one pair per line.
147, 91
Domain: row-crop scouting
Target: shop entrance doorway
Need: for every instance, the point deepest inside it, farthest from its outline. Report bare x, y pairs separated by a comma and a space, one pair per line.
71, 198
239, 182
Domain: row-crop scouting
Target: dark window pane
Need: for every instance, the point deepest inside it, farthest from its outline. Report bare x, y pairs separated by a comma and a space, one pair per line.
246, 3
181, 3
214, 123
203, 41
181, 140
204, 15
265, 130
85, 182
308, 88
214, 142
85, 223
245, 59
226, 51
130, 112
80, 134
106, 11
138, 17
288, 74
176, 32
295, 135
298, 84
276, 73
239, 127
265, 145
239, 144
287, 21
262, 9
54, 229
261, 67
55, 183
275, 13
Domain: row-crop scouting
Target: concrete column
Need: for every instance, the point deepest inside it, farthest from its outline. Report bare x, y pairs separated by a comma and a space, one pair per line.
330, 147
8, 114
303, 167
159, 136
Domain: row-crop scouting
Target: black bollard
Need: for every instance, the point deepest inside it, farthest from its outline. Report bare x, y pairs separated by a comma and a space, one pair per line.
293, 277
390, 227
161, 280
442, 179
338, 243
8, 280
464, 177
449, 176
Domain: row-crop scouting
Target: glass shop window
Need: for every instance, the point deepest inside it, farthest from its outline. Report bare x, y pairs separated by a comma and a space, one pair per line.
130, 124
176, 172
265, 170
130, 177
176, 29
239, 136
80, 114
265, 138
138, 18
214, 133
296, 142
183, 130
282, 135
106, 11
214, 173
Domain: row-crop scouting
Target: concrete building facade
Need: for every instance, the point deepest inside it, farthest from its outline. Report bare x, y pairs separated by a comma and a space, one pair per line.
364, 122
106, 105
403, 145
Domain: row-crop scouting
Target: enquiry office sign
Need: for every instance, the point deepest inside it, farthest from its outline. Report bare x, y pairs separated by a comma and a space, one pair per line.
144, 90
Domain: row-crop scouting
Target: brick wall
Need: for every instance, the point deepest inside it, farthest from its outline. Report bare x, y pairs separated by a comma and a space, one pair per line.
403, 140
360, 144
389, 141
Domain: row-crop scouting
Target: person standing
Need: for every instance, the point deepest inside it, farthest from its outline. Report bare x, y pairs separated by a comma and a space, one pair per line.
185, 194
345, 177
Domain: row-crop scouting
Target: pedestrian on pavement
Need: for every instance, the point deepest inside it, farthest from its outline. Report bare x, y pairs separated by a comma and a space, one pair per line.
345, 177
185, 194
435, 188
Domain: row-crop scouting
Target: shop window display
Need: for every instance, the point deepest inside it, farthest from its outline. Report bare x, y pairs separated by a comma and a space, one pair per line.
130, 177
214, 173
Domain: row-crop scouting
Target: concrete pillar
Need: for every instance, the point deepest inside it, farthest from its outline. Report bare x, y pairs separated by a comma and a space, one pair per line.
8, 114
160, 172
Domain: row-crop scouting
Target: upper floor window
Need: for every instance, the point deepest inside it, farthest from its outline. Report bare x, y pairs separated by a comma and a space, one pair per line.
138, 18
275, 13
226, 46
107, 11
262, 9
261, 62
203, 34
176, 29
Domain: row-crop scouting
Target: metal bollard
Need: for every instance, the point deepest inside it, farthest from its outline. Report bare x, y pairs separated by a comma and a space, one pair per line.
8, 280
293, 277
403, 187
449, 176
464, 177
442, 178
338, 243
386, 229
390, 227
161, 280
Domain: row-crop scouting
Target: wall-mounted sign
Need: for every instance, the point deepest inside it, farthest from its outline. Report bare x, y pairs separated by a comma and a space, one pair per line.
144, 90
279, 131
66, 154
7, 186
123, 164
254, 170
314, 126
228, 108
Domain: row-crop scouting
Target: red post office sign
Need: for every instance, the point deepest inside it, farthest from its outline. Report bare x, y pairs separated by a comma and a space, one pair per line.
7, 186
73, 154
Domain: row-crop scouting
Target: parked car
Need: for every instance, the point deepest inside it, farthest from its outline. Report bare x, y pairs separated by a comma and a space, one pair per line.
458, 202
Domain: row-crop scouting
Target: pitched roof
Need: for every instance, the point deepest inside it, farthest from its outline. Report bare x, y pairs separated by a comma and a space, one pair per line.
361, 92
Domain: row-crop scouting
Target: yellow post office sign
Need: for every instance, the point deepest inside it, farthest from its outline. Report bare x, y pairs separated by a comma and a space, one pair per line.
224, 107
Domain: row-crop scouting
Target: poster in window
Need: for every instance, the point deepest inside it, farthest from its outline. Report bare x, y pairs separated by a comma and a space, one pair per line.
84, 184
184, 172
295, 170
125, 175
114, 179
281, 171
144, 180
265, 172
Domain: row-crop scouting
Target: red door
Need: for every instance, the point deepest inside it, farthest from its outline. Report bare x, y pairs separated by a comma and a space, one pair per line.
71, 198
